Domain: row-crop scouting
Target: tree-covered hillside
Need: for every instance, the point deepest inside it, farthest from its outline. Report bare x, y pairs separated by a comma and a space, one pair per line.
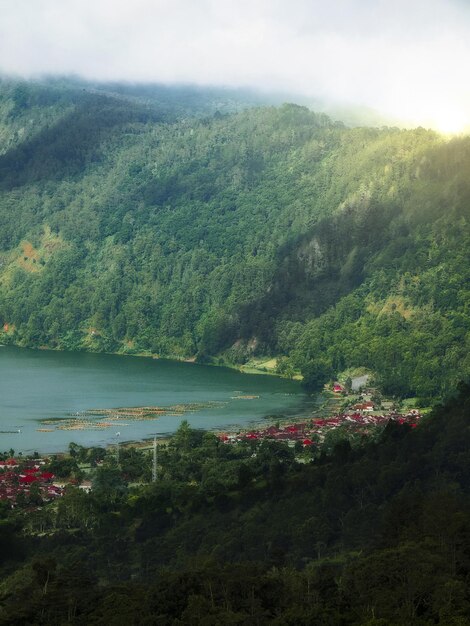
128, 224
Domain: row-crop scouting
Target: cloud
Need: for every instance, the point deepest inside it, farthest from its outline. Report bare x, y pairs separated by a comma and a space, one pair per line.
407, 58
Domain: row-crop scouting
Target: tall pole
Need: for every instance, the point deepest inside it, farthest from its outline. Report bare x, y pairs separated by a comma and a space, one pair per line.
154, 466
117, 448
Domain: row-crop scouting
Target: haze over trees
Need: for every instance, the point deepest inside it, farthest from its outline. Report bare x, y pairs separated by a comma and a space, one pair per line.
187, 223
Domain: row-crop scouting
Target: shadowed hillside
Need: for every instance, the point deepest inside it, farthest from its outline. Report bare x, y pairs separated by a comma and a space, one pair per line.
374, 533
267, 231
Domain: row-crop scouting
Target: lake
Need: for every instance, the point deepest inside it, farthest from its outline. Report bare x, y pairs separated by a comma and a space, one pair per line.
50, 391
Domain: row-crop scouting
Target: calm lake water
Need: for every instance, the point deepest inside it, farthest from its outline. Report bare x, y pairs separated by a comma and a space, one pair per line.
37, 385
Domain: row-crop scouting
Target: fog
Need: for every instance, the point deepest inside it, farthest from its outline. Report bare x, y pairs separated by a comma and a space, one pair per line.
406, 58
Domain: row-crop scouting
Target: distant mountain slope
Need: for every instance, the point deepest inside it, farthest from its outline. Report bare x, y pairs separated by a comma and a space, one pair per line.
127, 224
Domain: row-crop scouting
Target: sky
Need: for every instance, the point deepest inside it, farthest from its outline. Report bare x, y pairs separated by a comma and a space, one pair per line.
408, 59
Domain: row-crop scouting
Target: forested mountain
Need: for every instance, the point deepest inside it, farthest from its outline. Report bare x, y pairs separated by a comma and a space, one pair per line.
186, 223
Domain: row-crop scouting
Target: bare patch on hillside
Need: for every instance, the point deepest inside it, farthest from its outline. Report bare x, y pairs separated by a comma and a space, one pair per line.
393, 304
28, 257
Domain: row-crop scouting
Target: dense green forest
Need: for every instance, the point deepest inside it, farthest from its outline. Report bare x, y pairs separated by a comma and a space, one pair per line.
374, 534
186, 223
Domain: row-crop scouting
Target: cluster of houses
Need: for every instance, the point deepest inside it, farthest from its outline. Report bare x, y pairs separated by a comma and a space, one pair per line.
292, 433
16, 480
361, 418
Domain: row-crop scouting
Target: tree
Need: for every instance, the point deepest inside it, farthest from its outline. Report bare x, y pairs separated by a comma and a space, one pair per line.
108, 483
316, 374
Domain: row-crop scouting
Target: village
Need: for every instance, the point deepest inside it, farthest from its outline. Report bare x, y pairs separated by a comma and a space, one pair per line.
27, 482
350, 415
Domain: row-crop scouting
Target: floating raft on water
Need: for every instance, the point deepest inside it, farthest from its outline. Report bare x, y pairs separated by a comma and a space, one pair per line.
150, 412
244, 397
84, 420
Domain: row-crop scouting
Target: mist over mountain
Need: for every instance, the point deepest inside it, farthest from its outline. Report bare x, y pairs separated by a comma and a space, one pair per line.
186, 222
277, 187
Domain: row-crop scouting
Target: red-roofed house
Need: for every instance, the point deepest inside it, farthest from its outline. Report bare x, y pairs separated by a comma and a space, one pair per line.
365, 406
9, 463
28, 478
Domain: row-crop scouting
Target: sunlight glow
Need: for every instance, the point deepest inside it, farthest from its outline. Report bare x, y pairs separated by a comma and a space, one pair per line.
406, 61
451, 121
447, 115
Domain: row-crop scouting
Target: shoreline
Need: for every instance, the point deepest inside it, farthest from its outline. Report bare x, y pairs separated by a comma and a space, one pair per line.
308, 408
323, 405
243, 368
198, 386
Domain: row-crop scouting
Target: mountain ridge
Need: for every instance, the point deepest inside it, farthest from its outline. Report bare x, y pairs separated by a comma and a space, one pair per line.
268, 230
